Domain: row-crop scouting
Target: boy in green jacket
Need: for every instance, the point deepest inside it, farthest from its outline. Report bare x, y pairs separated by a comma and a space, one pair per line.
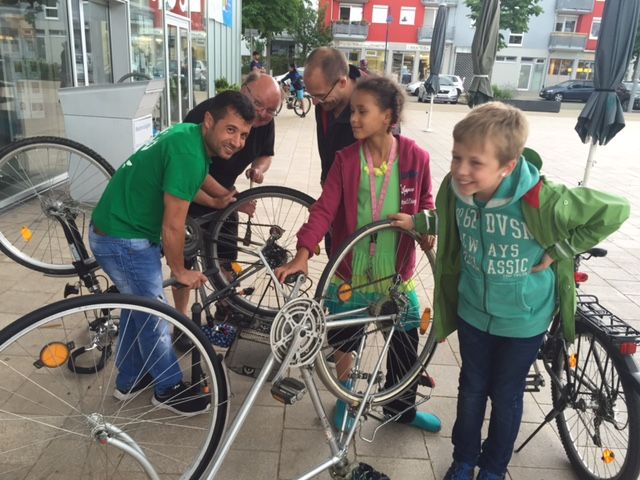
506, 243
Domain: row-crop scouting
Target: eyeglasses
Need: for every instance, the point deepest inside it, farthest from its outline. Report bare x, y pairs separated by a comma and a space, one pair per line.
321, 98
259, 105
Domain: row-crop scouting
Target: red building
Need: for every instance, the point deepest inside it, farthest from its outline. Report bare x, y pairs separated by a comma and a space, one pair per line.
393, 36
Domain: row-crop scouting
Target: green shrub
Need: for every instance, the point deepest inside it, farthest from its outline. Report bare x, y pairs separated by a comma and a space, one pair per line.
502, 93
221, 85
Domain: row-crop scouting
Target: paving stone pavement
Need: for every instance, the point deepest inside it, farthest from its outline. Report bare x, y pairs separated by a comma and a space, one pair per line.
283, 443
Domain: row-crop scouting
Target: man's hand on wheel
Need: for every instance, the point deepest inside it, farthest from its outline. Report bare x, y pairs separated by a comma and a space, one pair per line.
222, 201
255, 174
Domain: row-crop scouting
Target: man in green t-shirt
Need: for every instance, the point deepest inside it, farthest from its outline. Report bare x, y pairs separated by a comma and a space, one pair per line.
146, 202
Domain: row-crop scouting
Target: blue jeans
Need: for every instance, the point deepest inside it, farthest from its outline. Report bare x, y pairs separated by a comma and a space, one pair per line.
492, 367
144, 343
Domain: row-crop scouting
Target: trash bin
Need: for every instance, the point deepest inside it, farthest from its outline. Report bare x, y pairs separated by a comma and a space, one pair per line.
114, 120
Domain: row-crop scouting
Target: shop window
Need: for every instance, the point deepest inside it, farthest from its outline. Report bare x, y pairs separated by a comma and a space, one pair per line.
560, 66
584, 71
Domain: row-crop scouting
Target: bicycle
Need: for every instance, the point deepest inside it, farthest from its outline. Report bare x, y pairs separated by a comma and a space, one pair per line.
300, 107
50, 413
595, 389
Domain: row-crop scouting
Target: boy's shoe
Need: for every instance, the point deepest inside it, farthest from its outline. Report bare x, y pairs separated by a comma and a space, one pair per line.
133, 392
459, 471
367, 472
338, 417
485, 475
426, 421
183, 399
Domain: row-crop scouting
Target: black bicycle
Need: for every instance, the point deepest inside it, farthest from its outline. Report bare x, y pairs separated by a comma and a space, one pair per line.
595, 388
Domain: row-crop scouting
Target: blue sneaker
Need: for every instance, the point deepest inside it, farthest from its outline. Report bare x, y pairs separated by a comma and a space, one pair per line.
459, 471
485, 475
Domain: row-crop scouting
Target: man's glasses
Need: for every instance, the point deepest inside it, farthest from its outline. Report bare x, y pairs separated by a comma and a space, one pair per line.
318, 99
259, 105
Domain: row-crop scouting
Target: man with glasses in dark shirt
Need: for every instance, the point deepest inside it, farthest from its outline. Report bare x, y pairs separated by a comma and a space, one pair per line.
264, 92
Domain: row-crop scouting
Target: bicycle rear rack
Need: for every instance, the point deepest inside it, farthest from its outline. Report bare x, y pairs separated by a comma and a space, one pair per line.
617, 330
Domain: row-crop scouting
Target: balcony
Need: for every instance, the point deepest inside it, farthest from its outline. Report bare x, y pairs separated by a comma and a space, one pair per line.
358, 2
574, 6
350, 31
426, 33
567, 41
435, 3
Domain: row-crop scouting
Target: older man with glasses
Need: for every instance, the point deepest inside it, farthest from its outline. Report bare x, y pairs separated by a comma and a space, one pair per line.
255, 157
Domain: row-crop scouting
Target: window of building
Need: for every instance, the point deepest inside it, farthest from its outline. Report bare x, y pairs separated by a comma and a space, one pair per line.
515, 39
351, 13
584, 71
595, 28
566, 23
51, 10
502, 58
379, 14
407, 15
560, 66
430, 16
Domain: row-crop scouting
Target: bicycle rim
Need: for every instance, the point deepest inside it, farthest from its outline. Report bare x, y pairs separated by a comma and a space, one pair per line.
43, 179
599, 427
406, 357
55, 420
302, 107
234, 241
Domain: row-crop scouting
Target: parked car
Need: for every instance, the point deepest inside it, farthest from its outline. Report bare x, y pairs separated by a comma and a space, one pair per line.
636, 98
448, 92
579, 90
412, 88
200, 74
457, 81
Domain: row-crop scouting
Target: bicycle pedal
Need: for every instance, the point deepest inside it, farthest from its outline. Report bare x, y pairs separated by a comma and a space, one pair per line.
533, 383
288, 390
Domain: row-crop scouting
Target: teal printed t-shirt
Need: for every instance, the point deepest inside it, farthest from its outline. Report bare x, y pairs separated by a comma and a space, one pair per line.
132, 205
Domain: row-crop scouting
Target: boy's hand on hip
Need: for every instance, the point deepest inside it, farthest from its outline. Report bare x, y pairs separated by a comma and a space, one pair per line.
544, 264
402, 220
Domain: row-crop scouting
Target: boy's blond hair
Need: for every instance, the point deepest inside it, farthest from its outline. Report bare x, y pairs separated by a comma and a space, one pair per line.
504, 126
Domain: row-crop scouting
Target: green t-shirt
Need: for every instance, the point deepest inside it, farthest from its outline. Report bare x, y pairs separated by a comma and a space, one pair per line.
132, 205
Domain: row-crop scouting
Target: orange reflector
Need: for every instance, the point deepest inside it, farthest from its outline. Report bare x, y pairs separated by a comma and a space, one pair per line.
237, 269
608, 456
26, 233
54, 354
580, 277
345, 292
628, 348
317, 250
425, 320
573, 360
206, 390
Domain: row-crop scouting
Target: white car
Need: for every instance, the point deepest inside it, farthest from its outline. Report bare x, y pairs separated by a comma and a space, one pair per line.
457, 81
448, 92
412, 88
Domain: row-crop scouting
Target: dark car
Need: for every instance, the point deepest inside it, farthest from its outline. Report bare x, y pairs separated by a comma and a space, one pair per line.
579, 90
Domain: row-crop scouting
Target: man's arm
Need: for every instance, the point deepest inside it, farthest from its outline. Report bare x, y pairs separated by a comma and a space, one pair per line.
173, 221
258, 168
214, 195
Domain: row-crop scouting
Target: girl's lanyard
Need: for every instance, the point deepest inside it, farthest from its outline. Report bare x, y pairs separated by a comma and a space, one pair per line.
377, 204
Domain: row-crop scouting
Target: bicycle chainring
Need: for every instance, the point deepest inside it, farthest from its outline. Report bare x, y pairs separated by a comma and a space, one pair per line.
303, 312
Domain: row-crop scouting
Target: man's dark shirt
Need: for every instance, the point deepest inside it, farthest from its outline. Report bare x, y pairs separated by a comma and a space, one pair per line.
259, 143
334, 133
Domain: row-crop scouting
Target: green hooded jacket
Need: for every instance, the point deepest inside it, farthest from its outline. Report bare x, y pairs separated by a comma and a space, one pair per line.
565, 221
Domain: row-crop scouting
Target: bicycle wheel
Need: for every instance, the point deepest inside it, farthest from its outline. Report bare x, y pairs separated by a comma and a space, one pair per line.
599, 428
44, 181
234, 240
302, 107
55, 420
408, 277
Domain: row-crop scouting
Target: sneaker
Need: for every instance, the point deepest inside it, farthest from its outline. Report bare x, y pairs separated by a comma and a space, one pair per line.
367, 472
183, 399
459, 471
134, 391
485, 475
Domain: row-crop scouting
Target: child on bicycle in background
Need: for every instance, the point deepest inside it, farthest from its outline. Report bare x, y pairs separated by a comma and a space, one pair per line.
506, 243
399, 171
297, 87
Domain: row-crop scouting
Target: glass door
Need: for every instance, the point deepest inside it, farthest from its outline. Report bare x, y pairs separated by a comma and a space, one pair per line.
180, 85
525, 76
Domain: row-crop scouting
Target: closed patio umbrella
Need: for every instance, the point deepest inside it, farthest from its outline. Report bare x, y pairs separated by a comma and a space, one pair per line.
602, 118
483, 52
436, 52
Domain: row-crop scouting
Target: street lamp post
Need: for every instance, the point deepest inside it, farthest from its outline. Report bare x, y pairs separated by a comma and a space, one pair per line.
386, 41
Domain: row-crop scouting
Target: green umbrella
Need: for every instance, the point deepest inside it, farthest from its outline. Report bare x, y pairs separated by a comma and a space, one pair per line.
483, 52
602, 117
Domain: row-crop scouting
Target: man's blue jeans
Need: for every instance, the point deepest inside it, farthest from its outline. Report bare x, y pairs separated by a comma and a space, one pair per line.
493, 367
144, 343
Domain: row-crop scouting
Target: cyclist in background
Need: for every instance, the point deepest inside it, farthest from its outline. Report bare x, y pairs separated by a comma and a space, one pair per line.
297, 86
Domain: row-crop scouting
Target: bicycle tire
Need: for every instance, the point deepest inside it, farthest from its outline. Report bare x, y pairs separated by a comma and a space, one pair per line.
604, 408
38, 177
135, 76
276, 206
375, 333
51, 416
302, 107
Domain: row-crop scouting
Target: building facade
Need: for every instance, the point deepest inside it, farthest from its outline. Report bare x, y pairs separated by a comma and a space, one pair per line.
67, 44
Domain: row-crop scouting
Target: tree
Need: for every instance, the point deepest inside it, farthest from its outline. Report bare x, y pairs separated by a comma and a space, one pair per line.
309, 30
514, 14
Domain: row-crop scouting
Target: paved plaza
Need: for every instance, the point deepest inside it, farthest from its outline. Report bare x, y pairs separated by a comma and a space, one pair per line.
282, 443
